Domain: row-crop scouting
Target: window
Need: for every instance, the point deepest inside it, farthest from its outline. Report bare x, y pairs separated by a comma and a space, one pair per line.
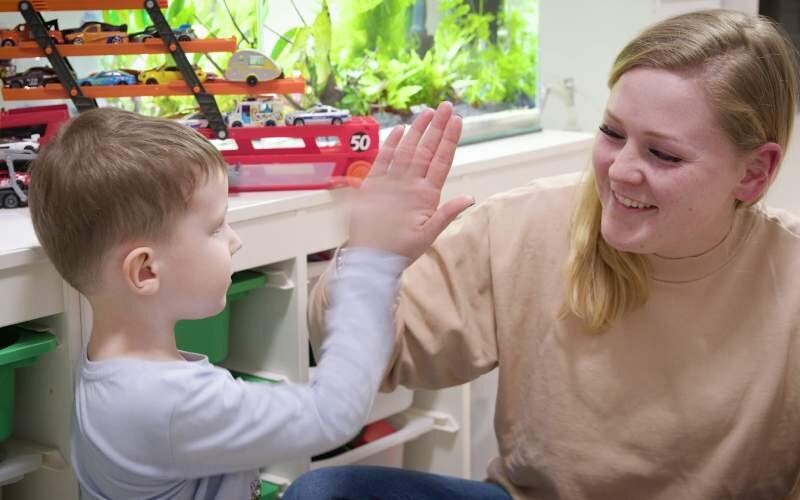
398, 56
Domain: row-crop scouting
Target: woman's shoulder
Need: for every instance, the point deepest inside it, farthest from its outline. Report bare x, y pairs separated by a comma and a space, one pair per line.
551, 194
775, 233
778, 222
539, 211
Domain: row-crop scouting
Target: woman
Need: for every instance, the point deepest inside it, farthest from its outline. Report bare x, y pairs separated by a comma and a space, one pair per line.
645, 320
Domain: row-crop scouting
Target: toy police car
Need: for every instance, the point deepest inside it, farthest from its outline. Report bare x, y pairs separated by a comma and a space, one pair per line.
318, 114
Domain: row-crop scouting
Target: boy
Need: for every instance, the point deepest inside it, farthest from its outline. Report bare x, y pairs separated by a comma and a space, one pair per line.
131, 210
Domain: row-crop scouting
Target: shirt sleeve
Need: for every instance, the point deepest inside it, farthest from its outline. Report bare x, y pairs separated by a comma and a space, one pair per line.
223, 425
445, 318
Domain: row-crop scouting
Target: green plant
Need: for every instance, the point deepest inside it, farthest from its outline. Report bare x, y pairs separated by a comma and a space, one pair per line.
366, 59
204, 15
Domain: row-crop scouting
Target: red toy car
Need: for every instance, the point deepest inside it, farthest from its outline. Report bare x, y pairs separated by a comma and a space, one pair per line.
21, 33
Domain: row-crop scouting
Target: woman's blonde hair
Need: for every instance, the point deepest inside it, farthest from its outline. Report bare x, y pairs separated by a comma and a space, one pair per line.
749, 70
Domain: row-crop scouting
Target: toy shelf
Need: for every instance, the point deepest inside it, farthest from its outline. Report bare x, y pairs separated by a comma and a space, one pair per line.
151, 46
40, 5
56, 91
413, 426
17, 464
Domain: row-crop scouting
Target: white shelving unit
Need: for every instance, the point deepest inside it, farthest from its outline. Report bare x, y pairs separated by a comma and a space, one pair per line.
269, 335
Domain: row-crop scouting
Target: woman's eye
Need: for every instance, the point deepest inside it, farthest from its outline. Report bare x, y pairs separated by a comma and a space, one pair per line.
610, 133
664, 156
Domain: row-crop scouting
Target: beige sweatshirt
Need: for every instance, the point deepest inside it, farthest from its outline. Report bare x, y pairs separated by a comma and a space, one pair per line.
694, 396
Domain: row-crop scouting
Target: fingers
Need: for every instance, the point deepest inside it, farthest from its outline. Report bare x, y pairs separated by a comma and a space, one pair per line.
405, 152
446, 214
446, 150
384, 158
430, 142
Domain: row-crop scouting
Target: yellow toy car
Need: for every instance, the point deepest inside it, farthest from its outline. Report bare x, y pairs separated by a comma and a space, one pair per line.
165, 74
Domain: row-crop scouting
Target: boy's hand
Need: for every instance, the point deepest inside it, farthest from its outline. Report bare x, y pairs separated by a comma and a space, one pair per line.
397, 207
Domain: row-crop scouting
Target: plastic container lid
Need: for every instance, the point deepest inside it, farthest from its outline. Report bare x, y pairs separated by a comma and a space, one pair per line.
19, 346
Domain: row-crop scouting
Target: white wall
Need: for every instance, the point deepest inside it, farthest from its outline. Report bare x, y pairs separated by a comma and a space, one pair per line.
785, 193
581, 38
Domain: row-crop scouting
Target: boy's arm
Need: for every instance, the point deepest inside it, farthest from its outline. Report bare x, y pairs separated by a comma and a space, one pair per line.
224, 426
445, 317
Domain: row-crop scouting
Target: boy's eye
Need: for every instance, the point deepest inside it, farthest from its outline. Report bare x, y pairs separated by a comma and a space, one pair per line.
664, 156
609, 132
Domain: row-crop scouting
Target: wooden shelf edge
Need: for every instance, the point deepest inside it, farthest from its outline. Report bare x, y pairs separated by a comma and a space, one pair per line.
152, 46
44, 5
56, 91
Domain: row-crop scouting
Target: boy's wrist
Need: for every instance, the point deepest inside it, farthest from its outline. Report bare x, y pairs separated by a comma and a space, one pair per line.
377, 259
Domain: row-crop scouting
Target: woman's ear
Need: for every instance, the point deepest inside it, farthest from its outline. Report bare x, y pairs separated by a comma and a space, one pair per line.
760, 166
141, 271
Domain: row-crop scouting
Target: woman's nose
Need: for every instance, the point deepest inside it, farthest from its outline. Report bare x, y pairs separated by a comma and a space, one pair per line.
627, 166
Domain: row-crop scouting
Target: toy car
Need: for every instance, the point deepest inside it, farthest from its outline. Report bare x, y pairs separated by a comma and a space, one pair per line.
183, 33
38, 76
20, 145
165, 74
255, 112
21, 33
252, 66
195, 120
97, 32
111, 77
318, 114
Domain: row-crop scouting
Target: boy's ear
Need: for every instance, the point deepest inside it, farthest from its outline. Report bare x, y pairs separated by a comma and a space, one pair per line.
141, 271
760, 166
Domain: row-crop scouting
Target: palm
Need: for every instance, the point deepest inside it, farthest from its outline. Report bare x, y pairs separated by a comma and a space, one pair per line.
397, 208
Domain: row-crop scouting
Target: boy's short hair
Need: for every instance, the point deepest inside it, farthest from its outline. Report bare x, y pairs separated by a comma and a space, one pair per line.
112, 176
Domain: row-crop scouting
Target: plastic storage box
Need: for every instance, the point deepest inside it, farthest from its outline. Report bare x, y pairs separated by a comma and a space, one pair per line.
269, 491
209, 336
19, 347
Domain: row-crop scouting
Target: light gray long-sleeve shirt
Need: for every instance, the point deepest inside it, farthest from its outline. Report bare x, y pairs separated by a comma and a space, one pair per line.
189, 430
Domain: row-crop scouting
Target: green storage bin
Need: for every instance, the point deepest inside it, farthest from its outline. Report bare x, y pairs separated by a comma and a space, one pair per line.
269, 491
209, 336
249, 377
19, 347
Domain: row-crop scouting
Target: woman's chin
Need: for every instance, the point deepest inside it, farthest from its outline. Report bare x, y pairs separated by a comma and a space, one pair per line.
625, 243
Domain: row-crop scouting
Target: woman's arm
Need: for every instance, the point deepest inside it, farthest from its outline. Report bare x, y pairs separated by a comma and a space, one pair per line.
445, 316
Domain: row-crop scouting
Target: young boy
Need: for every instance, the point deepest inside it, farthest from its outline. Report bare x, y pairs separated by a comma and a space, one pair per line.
132, 212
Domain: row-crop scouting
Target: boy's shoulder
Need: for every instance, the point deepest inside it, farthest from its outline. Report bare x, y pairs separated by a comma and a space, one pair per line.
138, 390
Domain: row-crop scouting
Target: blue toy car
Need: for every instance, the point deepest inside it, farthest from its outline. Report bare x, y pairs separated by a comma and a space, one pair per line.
111, 77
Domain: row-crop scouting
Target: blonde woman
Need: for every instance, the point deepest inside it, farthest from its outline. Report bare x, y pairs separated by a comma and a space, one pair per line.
645, 319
